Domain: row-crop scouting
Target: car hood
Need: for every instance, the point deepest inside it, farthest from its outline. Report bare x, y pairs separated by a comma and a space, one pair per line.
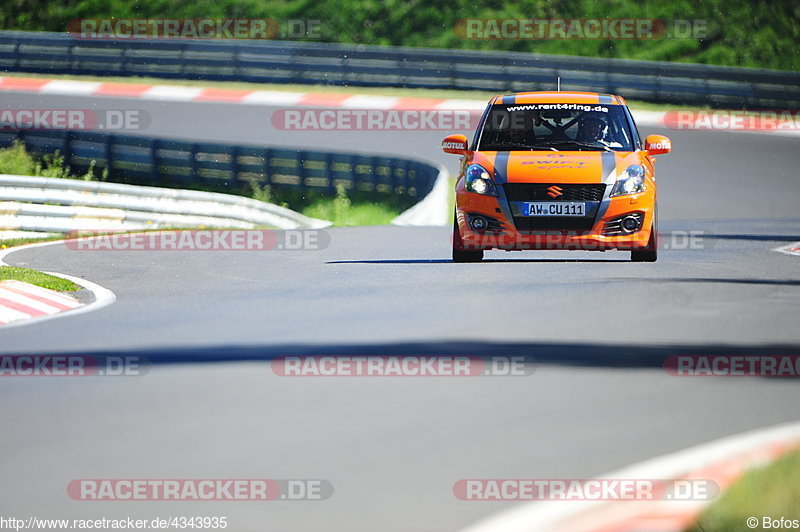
556, 167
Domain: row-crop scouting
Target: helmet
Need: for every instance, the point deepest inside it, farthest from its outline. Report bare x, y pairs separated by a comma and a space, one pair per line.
592, 127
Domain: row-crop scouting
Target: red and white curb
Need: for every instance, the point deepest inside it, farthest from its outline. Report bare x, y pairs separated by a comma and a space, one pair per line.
722, 461
180, 93
22, 303
791, 249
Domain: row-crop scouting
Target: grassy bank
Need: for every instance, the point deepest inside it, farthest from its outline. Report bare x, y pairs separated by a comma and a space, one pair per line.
342, 212
16, 160
772, 491
37, 278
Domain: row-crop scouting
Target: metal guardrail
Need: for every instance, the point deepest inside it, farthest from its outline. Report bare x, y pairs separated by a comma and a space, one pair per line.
314, 63
62, 205
172, 163
134, 160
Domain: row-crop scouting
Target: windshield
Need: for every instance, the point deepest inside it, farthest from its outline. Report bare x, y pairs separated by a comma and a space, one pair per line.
556, 126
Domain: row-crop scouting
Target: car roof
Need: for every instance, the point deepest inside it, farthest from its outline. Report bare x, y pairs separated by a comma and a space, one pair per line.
558, 97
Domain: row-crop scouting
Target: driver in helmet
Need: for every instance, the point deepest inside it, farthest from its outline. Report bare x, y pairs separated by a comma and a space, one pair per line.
520, 129
594, 128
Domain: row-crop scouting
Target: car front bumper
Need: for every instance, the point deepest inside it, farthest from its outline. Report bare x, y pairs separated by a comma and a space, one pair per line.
507, 229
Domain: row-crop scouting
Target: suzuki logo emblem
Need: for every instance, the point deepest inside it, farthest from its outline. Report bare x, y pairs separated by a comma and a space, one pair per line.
554, 191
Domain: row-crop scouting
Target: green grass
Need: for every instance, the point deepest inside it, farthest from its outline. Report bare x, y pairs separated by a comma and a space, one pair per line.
34, 277
14, 242
342, 211
16, 160
772, 491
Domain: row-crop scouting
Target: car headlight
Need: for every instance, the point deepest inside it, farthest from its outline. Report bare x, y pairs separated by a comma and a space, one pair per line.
479, 181
630, 182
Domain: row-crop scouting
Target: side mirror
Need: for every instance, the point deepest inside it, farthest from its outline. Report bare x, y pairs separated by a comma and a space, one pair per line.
456, 144
657, 144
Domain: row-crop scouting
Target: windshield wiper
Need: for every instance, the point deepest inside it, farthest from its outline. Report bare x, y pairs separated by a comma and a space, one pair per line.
524, 146
583, 144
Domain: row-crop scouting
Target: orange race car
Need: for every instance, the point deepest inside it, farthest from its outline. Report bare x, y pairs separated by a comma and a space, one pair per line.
556, 170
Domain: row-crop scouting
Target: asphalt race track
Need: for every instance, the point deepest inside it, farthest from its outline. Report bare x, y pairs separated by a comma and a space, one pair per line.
598, 326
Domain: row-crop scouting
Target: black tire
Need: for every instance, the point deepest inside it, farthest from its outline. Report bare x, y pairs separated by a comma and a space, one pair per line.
461, 255
649, 253
467, 256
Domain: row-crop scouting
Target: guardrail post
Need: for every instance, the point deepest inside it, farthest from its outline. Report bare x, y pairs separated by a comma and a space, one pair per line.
235, 164
123, 61
182, 55
267, 167
392, 165
402, 167
107, 149
154, 173
329, 173
238, 72
16, 53
507, 81
67, 147
193, 162
301, 168
71, 56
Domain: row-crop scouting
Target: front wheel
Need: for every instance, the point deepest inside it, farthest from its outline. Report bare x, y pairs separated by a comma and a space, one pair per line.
467, 256
649, 253
459, 253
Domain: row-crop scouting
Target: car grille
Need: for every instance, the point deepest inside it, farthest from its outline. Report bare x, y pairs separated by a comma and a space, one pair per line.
538, 192
554, 224
569, 192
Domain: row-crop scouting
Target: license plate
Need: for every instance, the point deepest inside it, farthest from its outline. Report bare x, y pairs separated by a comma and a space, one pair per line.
561, 208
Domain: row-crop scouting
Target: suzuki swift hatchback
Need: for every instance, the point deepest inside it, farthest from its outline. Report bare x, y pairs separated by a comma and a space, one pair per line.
556, 170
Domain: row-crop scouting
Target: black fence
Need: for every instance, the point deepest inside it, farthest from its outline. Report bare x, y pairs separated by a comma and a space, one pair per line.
171, 163
314, 63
